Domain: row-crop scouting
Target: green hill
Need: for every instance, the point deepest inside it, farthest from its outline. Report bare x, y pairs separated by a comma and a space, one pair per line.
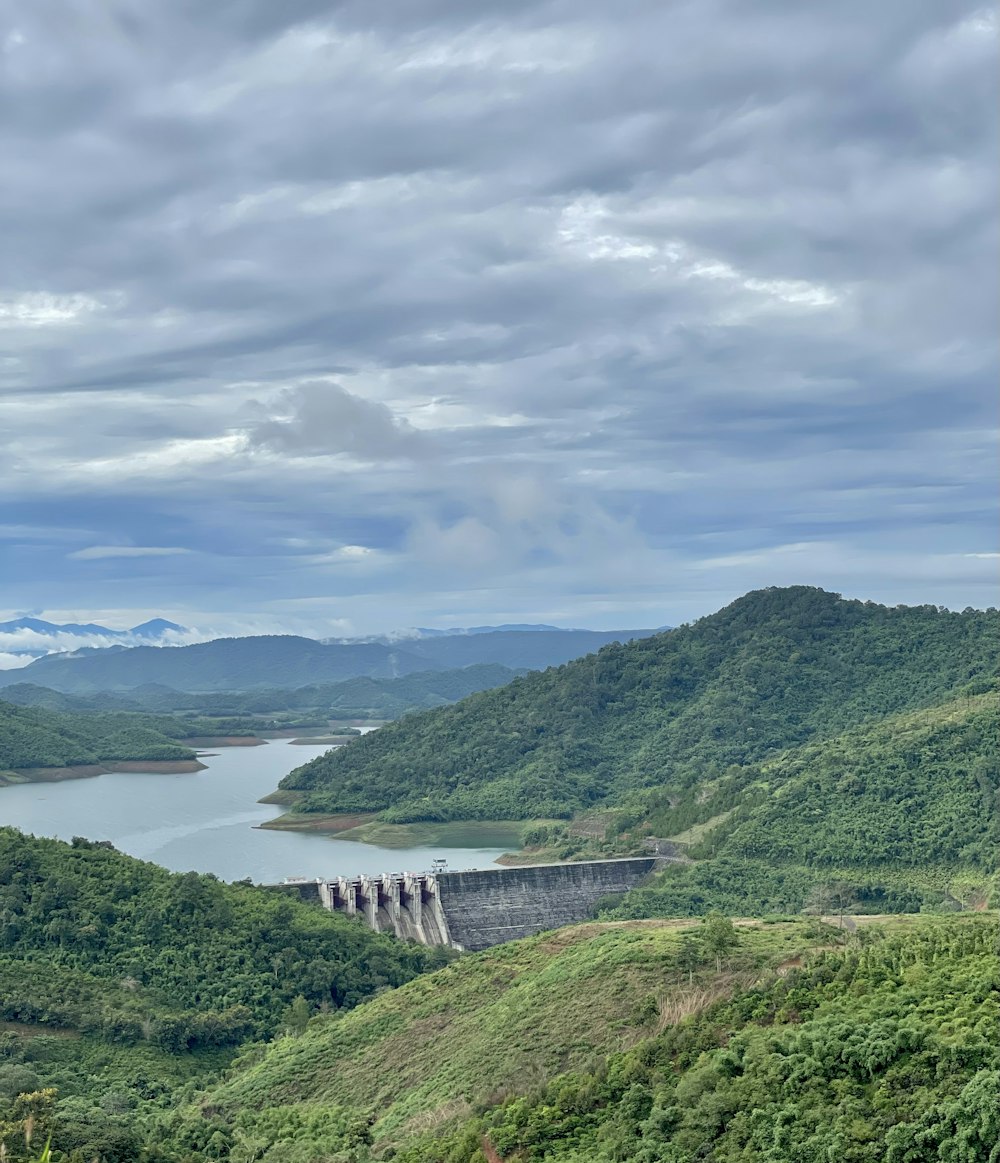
776, 669
885, 1052
499, 1022
643, 1041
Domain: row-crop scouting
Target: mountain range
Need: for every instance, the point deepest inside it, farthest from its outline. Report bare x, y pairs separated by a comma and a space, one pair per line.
284, 660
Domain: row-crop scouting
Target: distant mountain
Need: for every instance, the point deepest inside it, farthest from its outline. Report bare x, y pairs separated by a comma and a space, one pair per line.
286, 661
354, 698
534, 649
426, 632
34, 638
278, 660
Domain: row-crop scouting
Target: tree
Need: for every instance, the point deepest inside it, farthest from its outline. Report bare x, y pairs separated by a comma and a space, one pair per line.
829, 897
719, 935
297, 1015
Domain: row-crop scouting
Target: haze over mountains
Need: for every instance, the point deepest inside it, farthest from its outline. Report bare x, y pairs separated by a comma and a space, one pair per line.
293, 661
30, 637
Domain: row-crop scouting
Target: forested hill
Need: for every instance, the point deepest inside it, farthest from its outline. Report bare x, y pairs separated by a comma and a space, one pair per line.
121, 984
35, 737
773, 670
648, 1043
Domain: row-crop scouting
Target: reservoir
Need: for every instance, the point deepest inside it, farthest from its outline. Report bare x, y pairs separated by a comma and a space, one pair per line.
205, 821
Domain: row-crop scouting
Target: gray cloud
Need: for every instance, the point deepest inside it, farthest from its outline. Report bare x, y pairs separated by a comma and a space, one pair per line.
506, 294
321, 418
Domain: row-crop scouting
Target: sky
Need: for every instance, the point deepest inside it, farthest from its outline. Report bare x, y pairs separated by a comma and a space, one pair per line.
343, 317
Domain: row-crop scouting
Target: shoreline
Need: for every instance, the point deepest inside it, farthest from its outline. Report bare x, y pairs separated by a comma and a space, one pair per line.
200, 742
330, 825
12, 776
86, 770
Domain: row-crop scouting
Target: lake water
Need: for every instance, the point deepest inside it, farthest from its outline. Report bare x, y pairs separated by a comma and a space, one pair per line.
204, 821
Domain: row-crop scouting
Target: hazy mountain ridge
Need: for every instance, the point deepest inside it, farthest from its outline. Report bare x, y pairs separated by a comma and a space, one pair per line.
288, 661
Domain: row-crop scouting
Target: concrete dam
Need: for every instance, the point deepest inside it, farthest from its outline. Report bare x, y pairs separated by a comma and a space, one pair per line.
476, 909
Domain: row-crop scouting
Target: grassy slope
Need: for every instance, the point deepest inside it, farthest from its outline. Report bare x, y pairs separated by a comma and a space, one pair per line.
493, 1024
887, 1051
774, 670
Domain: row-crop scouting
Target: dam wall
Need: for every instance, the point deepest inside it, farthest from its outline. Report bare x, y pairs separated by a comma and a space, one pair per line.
494, 905
476, 909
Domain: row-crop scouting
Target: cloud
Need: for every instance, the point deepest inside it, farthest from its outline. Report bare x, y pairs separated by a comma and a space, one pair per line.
323, 419
553, 310
100, 552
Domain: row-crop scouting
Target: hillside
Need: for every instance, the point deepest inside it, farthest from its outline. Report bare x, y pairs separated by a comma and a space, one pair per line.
639, 1042
894, 816
119, 978
34, 737
773, 670
501, 1021
886, 1051
355, 698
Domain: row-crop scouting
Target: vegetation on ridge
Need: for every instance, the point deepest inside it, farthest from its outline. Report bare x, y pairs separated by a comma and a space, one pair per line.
774, 670
494, 1023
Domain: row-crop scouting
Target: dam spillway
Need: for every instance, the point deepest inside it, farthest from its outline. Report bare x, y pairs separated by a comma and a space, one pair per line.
478, 908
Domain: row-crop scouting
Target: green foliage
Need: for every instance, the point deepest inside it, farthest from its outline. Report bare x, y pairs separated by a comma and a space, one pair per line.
123, 985
642, 723
226, 960
913, 789
887, 813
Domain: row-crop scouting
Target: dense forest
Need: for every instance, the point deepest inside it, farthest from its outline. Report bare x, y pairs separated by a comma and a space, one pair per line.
32, 736
119, 981
774, 670
900, 814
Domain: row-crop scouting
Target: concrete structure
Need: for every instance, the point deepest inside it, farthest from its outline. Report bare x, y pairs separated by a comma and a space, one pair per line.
477, 909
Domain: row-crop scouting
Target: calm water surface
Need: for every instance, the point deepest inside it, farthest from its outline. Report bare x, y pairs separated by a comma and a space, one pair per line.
205, 820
